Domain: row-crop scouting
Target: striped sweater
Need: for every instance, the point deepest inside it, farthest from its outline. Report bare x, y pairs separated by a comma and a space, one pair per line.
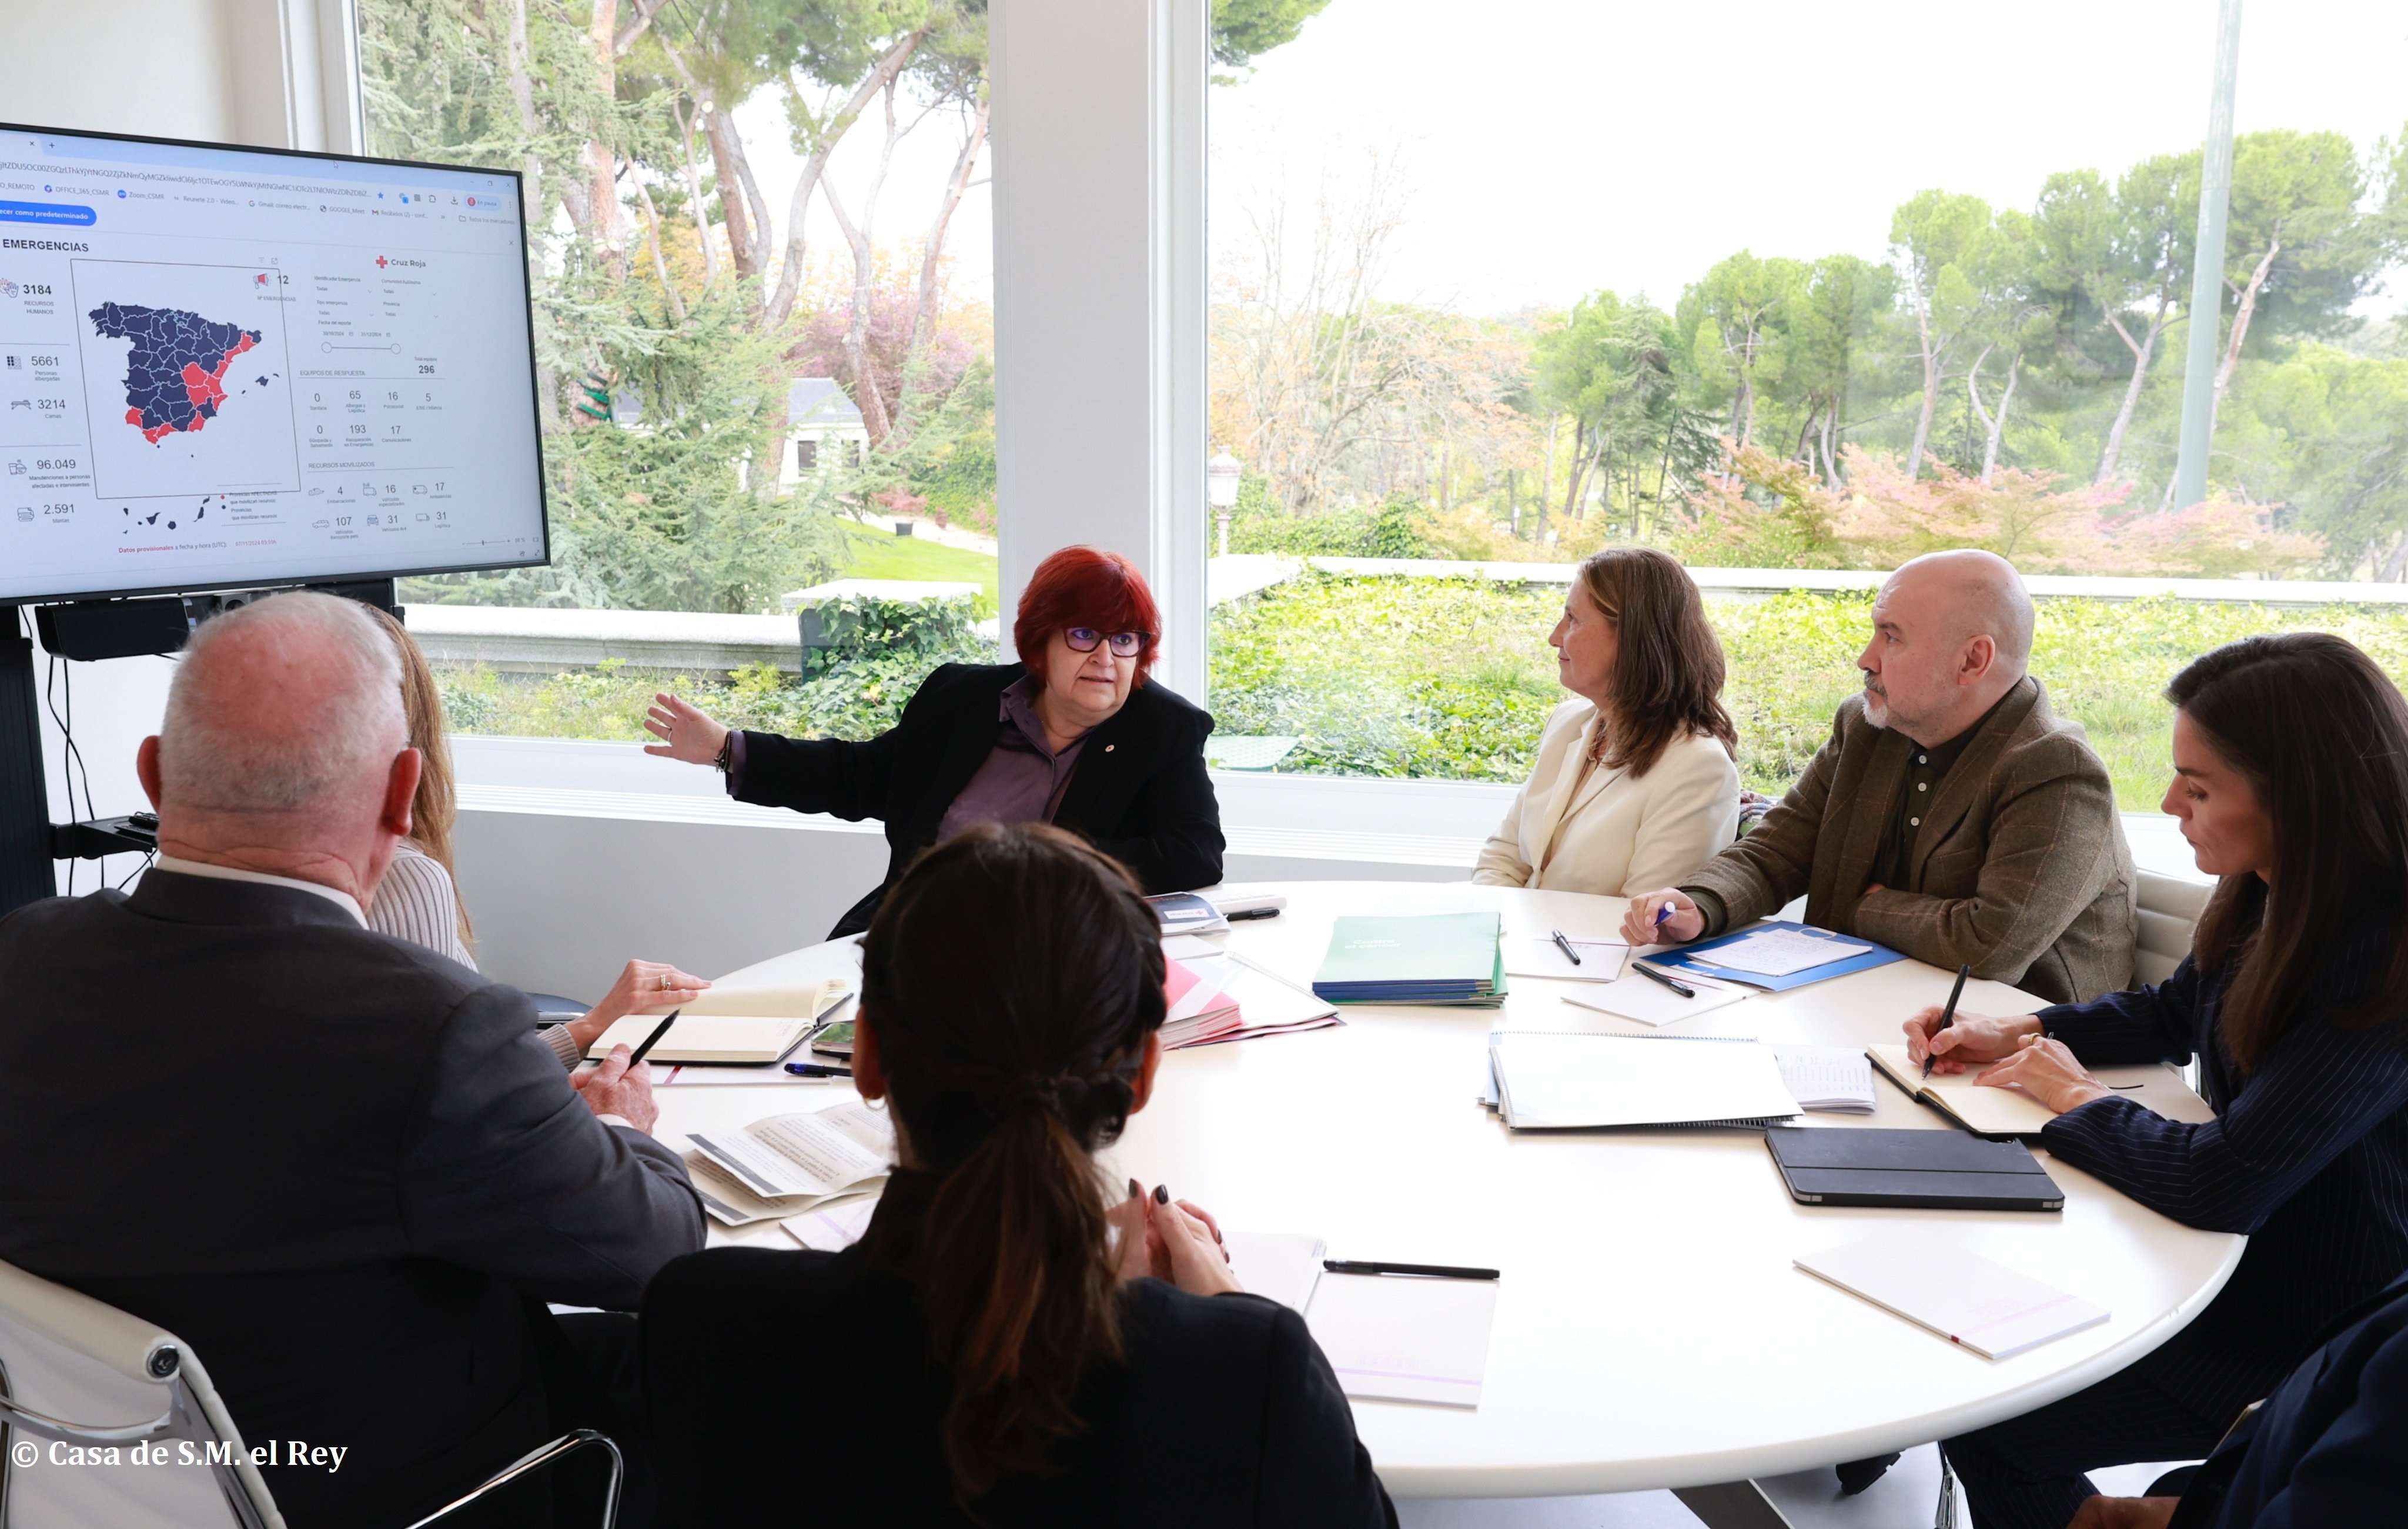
2308, 1155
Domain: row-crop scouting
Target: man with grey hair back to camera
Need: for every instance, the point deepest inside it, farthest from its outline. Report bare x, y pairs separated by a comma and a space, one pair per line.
341, 1167
1951, 815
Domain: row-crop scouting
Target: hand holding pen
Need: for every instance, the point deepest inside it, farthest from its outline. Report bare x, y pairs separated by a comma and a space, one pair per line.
1663, 917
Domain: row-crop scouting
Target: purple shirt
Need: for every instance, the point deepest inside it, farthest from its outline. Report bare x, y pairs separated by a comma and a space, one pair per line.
1021, 779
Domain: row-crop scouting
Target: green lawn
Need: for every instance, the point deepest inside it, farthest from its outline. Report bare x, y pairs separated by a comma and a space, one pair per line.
882, 555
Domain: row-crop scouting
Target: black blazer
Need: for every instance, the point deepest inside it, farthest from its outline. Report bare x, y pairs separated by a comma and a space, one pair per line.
2330, 1445
1225, 1413
1140, 793
335, 1164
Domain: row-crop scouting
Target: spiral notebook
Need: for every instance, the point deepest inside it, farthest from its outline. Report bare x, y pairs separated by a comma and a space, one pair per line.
1574, 1082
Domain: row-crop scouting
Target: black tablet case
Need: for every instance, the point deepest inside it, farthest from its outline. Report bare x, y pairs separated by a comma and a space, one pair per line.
1938, 1170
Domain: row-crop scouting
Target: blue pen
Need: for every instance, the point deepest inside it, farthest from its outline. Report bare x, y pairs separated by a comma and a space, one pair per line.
814, 1069
1662, 913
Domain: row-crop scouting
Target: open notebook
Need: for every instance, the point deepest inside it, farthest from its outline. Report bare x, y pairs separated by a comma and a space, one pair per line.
2010, 1112
733, 1024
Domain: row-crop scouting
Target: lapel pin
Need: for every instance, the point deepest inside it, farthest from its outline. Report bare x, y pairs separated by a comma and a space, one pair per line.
1108, 747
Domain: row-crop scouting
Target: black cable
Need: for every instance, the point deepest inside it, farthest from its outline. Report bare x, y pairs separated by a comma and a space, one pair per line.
148, 856
70, 757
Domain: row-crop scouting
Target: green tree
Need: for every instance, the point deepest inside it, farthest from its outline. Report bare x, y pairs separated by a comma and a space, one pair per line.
1611, 367
1934, 235
1243, 29
1735, 321
1844, 301
2297, 242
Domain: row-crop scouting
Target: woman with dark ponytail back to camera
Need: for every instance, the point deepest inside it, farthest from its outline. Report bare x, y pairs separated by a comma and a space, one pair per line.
1010, 1344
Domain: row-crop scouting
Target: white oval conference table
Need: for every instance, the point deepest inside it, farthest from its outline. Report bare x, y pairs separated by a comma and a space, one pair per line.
1650, 1330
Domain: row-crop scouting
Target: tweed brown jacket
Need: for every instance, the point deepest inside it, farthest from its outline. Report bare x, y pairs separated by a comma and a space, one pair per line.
2020, 867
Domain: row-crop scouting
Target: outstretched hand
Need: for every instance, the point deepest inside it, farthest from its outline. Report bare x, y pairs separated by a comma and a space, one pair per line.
685, 732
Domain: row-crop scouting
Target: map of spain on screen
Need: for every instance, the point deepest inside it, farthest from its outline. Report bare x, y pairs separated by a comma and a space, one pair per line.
186, 379
175, 376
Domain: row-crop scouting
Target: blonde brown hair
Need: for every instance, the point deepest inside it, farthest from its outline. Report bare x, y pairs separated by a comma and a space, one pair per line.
436, 806
1668, 671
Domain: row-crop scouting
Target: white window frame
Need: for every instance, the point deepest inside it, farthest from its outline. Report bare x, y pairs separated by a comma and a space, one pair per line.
1100, 300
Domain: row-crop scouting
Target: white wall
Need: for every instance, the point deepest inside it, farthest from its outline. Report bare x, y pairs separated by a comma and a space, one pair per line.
272, 73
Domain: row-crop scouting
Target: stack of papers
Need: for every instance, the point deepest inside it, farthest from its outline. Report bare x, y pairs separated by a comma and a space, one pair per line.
1776, 956
1266, 1004
1556, 1082
787, 1164
1195, 1011
1962, 1297
1453, 958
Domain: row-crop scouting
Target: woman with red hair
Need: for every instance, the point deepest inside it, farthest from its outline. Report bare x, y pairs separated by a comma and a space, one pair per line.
1072, 735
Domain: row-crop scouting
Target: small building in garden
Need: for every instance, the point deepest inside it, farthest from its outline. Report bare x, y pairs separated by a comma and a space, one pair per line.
823, 429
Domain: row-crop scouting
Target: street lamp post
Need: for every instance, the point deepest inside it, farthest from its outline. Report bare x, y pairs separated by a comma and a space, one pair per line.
1221, 476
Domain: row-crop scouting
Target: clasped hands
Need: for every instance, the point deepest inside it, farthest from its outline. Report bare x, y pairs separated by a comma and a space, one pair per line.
1176, 1240
2019, 1056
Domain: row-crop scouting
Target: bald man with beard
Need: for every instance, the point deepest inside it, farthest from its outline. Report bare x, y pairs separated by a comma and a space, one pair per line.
1951, 815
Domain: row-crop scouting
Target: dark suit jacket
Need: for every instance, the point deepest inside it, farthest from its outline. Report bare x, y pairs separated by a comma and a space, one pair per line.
334, 1163
2308, 1155
2330, 1446
1225, 1413
1140, 792
2020, 867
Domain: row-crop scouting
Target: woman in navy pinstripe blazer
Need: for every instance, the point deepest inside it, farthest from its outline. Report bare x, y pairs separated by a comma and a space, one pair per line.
2291, 785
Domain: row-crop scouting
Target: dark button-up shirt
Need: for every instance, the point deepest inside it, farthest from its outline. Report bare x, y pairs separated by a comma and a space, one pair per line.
1925, 768
1022, 779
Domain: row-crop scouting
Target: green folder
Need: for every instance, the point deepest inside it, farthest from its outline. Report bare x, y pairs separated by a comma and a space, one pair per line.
1451, 958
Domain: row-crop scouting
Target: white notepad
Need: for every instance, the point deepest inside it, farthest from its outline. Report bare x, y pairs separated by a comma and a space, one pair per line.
1962, 1297
1399, 1338
1539, 956
1651, 1002
1549, 1082
1284, 1266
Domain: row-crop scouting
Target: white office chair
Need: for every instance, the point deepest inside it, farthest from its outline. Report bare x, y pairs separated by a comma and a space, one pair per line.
65, 1355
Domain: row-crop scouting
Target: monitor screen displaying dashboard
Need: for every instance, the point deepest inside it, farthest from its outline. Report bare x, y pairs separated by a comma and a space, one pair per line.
230, 368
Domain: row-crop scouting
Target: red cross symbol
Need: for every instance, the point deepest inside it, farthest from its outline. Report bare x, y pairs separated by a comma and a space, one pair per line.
379, 262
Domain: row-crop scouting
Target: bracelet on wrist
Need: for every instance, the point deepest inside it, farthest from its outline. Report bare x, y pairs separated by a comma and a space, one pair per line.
726, 750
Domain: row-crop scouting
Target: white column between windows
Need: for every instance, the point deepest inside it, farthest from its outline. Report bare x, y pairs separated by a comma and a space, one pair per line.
1100, 295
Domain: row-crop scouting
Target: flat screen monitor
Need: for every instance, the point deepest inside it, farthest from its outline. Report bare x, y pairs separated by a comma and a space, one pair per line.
227, 368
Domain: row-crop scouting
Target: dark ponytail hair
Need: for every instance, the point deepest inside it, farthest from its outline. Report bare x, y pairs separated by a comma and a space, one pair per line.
1011, 978
2321, 735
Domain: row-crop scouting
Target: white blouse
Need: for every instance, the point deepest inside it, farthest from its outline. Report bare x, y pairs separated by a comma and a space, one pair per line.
416, 901
1610, 834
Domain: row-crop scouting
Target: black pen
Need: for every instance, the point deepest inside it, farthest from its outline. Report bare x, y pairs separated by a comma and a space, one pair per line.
1427, 1271
1675, 984
653, 1039
817, 1069
1570, 954
1947, 1015
1244, 914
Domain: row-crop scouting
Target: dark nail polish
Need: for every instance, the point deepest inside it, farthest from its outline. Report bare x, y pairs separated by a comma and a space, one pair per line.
1136, 1190
1161, 1194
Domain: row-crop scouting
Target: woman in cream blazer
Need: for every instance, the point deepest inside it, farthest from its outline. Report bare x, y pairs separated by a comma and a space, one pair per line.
1634, 785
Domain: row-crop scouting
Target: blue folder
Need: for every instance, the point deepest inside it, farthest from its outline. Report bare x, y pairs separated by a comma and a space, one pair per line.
1698, 959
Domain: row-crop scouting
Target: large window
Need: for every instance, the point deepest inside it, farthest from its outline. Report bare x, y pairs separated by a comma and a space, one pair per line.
1781, 287
763, 278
